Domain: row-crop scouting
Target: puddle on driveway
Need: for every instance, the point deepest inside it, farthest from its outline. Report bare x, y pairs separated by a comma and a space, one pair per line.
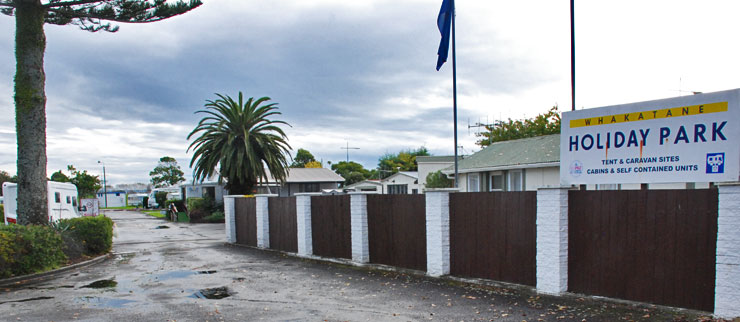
180, 274
102, 284
162, 227
212, 293
103, 302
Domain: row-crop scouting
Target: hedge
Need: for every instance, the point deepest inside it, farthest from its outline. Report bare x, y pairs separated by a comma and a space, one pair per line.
94, 233
29, 249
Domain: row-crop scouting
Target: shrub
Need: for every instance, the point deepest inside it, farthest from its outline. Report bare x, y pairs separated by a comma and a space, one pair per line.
438, 180
160, 197
2, 213
198, 208
94, 233
29, 249
216, 217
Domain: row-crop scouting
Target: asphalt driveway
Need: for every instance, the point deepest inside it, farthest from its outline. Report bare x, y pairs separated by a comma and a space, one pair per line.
163, 271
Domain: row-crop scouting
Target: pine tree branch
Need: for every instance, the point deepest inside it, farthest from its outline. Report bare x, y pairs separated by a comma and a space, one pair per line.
90, 14
57, 3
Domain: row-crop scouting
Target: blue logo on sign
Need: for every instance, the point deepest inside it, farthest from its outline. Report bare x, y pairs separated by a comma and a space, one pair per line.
716, 162
576, 168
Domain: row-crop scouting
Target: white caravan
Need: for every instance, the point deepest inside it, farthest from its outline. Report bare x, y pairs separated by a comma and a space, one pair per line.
62, 201
173, 193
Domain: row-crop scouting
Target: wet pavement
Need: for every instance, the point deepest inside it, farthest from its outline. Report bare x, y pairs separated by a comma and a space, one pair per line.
164, 271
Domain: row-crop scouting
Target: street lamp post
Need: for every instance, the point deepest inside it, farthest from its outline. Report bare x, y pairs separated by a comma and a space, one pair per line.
105, 186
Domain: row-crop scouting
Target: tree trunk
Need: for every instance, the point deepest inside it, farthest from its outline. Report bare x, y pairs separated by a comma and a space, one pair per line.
30, 112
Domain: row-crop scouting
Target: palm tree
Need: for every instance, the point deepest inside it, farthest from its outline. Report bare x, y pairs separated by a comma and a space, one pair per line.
239, 139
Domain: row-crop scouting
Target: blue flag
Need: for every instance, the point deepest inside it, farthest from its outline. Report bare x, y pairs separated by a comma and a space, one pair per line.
443, 23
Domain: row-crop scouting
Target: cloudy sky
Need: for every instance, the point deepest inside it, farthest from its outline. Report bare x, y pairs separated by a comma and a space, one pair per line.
358, 72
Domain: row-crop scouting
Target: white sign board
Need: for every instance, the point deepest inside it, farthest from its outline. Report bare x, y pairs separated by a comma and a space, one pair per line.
692, 138
90, 207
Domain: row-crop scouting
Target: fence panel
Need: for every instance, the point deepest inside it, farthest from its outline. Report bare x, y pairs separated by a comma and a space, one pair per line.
330, 224
245, 212
653, 246
493, 236
397, 230
283, 224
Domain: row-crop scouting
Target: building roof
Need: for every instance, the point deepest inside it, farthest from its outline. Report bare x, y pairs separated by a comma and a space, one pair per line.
364, 183
412, 174
540, 150
296, 175
439, 159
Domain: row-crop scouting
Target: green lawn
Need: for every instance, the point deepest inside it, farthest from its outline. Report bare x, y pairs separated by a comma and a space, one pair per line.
154, 213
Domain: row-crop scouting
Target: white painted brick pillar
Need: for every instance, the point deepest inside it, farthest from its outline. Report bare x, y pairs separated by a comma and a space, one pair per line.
727, 280
358, 222
552, 240
303, 217
263, 220
230, 218
438, 231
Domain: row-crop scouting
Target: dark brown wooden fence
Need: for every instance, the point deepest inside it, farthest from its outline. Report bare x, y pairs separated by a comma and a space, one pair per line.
283, 224
397, 230
245, 214
653, 246
330, 226
493, 236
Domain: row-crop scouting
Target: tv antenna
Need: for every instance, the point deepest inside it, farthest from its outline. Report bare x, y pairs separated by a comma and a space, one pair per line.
681, 91
479, 125
348, 148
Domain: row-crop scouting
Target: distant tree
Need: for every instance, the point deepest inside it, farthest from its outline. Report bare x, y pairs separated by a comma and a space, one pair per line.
87, 184
352, 172
314, 164
239, 138
543, 124
389, 163
30, 79
302, 157
438, 180
166, 173
59, 176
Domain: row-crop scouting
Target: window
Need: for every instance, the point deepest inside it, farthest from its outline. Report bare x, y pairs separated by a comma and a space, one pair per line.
497, 182
309, 187
69, 200
397, 189
473, 182
414, 191
74, 201
209, 192
515, 180
57, 197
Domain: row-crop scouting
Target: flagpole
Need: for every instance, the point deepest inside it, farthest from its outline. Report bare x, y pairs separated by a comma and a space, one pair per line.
454, 90
572, 57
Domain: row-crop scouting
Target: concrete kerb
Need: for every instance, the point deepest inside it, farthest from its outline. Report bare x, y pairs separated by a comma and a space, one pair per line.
45, 276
